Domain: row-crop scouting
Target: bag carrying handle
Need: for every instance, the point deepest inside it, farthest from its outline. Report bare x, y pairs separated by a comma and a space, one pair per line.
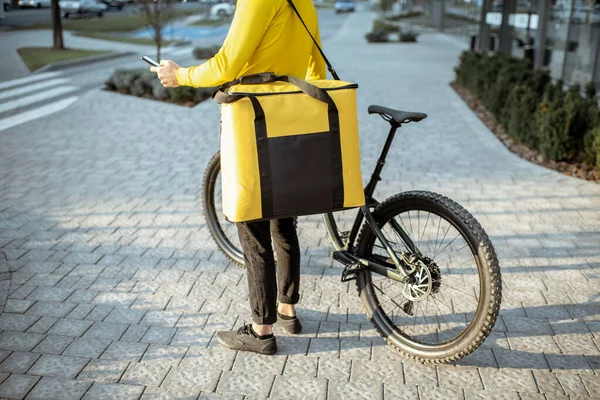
333, 73
221, 95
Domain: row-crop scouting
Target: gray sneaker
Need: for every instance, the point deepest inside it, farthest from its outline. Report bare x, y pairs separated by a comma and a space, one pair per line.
244, 339
290, 324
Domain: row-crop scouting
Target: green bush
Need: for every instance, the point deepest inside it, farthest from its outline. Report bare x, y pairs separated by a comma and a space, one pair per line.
377, 37
408, 37
204, 53
562, 125
383, 26
143, 83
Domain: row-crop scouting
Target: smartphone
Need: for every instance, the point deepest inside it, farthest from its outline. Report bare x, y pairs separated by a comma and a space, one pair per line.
151, 61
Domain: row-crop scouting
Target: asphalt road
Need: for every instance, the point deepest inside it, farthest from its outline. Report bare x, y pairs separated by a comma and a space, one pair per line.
31, 16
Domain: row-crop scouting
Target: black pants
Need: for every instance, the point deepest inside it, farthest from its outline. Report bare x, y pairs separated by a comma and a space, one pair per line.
255, 238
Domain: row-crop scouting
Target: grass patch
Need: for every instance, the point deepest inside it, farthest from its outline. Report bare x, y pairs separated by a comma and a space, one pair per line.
209, 22
37, 57
119, 38
120, 23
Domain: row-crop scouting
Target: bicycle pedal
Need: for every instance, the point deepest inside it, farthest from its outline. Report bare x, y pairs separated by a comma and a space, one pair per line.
351, 272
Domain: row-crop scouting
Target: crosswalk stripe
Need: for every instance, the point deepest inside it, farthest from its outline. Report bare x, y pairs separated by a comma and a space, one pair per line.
27, 79
32, 88
46, 94
36, 113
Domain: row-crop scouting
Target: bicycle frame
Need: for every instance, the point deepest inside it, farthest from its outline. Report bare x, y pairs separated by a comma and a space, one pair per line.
345, 243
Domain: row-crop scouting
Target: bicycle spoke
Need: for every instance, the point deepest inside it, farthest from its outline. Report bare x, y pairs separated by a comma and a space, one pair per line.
462, 291
444, 238
437, 260
425, 228
440, 252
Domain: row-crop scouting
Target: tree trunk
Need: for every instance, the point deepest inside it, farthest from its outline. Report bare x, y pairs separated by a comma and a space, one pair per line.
57, 37
158, 40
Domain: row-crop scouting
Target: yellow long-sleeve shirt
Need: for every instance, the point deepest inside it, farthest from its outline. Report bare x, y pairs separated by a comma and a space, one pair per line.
265, 36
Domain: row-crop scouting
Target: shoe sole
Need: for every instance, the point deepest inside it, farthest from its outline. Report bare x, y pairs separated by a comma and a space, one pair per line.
266, 353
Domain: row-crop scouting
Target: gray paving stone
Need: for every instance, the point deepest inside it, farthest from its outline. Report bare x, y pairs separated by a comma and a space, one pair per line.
17, 306
291, 387
342, 390
70, 327
472, 394
19, 341
577, 344
419, 374
58, 366
156, 393
508, 379
192, 378
125, 351
398, 391
592, 384
106, 330
268, 365
102, 391
115, 299
159, 335
192, 337
125, 316
222, 359
50, 294
51, 309
53, 388
300, 366
429, 392
373, 372
451, 376
87, 348
331, 368
547, 382
145, 374
528, 325
53, 344
572, 363
324, 348
247, 384
16, 322
4, 354
572, 384
83, 296
217, 396
134, 333
43, 325
18, 362
17, 386
521, 359
292, 345
168, 355
106, 371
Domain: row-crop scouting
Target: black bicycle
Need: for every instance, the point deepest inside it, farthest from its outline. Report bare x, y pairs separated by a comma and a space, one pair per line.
426, 272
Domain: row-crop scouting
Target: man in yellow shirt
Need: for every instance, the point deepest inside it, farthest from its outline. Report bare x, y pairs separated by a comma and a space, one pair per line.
265, 36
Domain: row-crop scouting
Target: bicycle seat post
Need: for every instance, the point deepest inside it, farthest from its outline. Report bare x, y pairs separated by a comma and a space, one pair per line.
376, 177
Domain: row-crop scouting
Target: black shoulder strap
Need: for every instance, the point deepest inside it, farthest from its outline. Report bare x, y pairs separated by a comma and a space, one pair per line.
333, 73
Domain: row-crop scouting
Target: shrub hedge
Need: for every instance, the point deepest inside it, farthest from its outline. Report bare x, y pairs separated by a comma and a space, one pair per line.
143, 83
382, 30
563, 125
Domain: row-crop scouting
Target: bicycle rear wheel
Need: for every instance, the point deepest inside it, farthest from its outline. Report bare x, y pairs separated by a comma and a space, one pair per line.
452, 302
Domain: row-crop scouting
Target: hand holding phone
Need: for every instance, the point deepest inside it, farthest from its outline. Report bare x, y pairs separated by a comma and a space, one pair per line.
151, 61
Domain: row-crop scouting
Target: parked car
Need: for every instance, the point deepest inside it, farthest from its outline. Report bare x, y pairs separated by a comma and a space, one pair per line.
118, 4
34, 3
222, 9
344, 6
82, 7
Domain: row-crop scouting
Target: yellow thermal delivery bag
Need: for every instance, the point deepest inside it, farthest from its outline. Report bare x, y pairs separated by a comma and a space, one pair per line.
289, 147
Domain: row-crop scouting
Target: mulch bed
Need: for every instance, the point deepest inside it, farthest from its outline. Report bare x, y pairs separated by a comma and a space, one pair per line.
575, 169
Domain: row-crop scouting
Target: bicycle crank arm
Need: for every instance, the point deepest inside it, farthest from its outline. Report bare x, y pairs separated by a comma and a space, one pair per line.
354, 264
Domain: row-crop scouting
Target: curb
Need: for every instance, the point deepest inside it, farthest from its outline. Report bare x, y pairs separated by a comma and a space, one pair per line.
82, 61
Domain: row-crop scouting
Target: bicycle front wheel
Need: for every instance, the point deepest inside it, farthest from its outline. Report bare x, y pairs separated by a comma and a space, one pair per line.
452, 300
224, 233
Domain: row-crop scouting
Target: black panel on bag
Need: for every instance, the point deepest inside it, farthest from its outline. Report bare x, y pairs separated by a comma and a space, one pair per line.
302, 180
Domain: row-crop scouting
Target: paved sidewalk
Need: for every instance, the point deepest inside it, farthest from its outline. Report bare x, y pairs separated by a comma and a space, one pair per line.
116, 290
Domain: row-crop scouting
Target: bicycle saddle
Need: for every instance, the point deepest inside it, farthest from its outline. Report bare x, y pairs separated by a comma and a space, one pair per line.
399, 116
